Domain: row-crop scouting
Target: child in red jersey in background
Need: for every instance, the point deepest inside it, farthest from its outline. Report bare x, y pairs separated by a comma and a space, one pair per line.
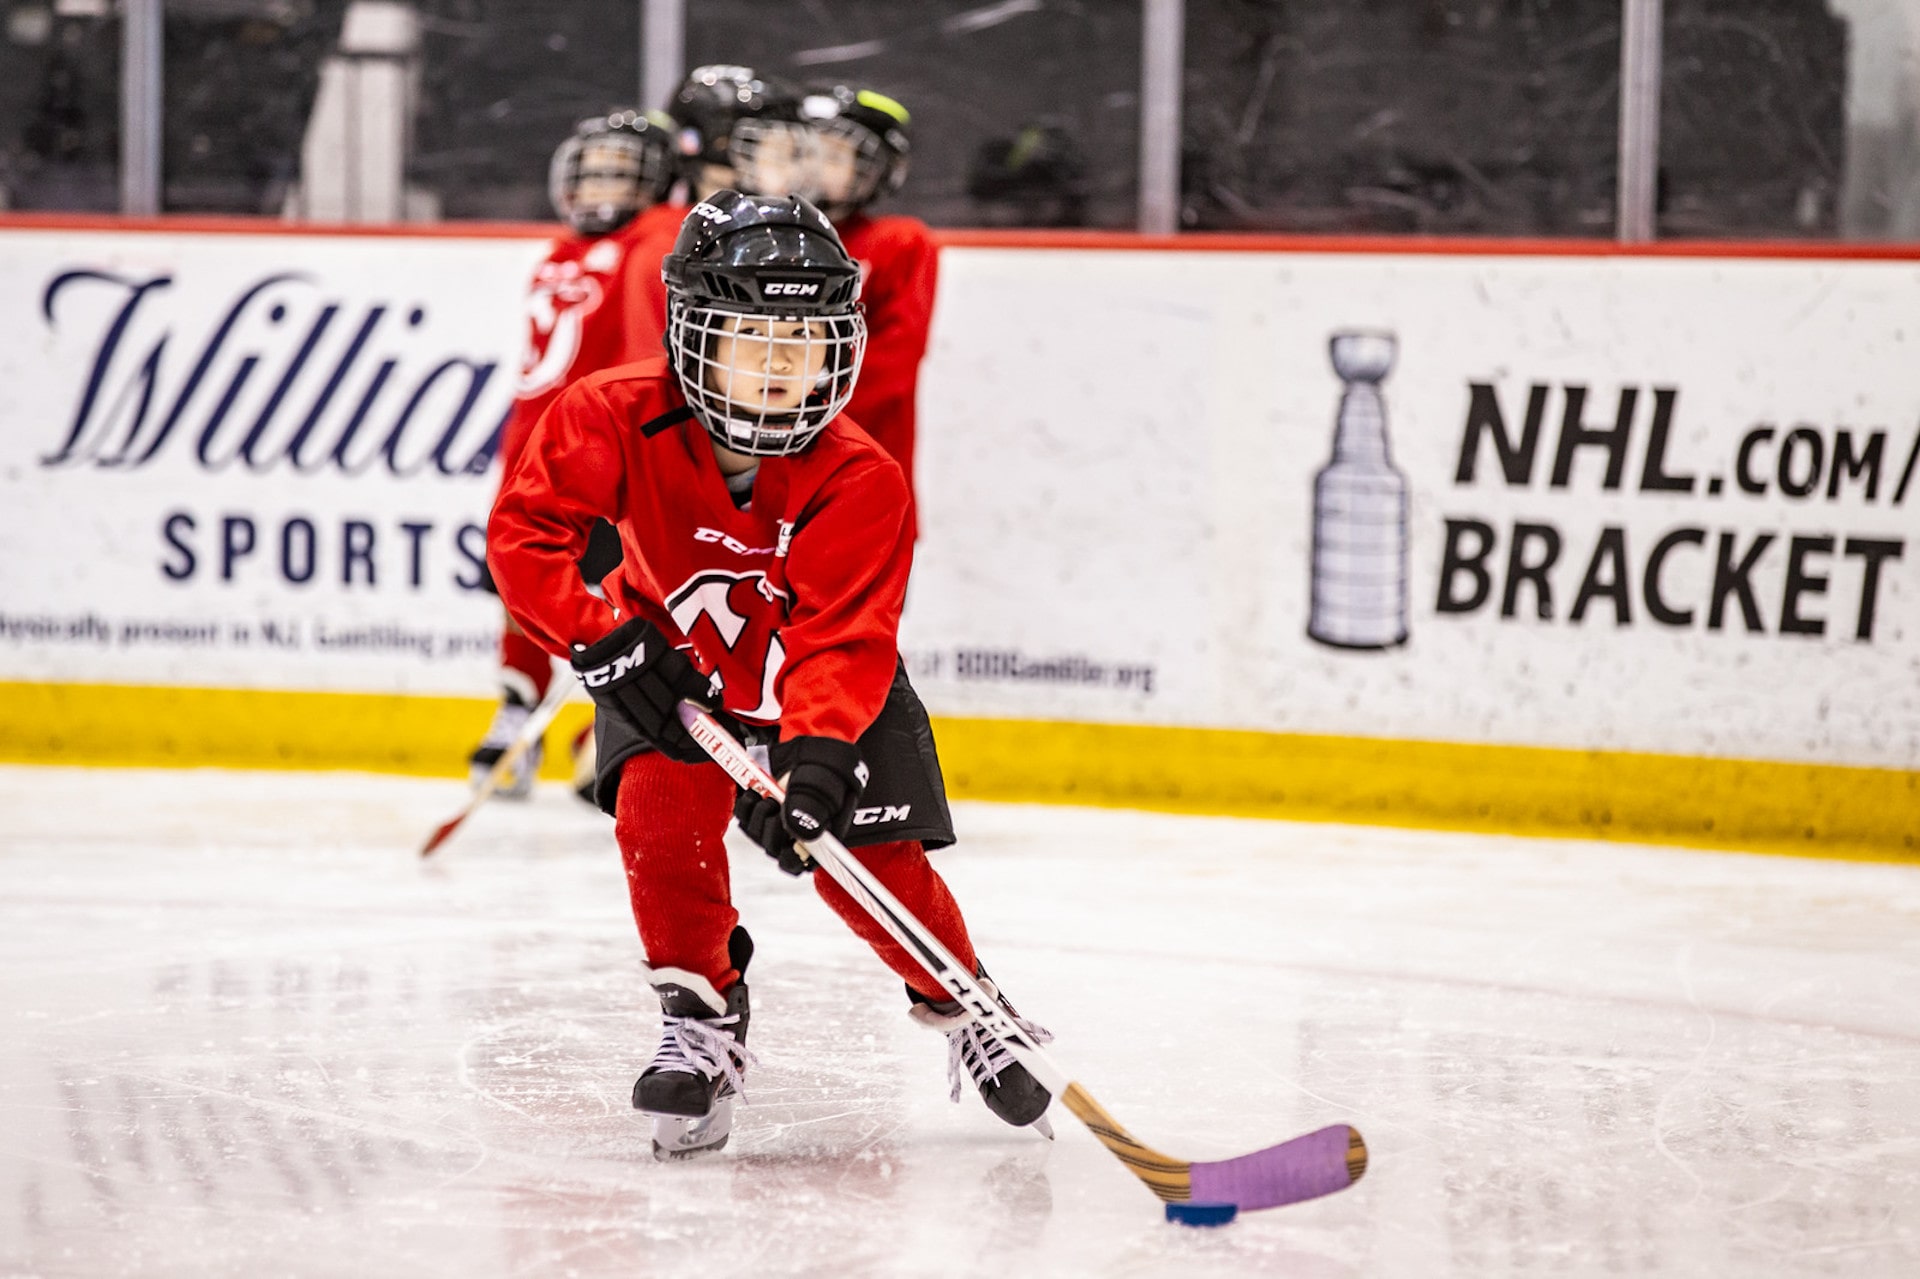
767, 549
598, 301
606, 181
736, 129
864, 142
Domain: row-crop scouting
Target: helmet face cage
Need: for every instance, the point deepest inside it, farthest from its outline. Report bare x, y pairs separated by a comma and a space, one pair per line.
714, 363
771, 156
606, 173
855, 165
864, 141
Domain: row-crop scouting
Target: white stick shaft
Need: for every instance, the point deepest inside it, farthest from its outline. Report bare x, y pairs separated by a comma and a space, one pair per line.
559, 693
831, 856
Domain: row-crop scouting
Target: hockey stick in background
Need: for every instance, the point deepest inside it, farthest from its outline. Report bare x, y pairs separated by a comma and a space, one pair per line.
559, 692
1206, 1192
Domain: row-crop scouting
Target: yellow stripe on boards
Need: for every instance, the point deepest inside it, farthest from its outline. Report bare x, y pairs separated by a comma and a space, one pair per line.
1815, 810
127, 726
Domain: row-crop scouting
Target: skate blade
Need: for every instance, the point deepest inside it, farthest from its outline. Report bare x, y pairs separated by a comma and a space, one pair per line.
1042, 1126
681, 1137
676, 1155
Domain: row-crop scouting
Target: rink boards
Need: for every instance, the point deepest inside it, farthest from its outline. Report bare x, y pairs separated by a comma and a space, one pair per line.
1638, 559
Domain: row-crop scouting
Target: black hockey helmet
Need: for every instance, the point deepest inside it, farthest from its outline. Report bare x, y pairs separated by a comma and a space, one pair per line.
760, 292
876, 130
747, 122
610, 168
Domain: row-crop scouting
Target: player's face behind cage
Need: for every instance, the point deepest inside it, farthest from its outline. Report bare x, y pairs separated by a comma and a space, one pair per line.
774, 157
599, 183
851, 163
763, 320
766, 385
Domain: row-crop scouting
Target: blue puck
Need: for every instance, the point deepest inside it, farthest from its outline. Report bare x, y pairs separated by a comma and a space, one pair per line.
1202, 1214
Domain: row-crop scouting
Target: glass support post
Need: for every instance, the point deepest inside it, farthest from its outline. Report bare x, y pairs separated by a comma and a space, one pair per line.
1639, 171
663, 50
1162, 58
141, 28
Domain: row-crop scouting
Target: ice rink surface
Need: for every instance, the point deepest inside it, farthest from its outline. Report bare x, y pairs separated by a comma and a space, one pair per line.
248, 1032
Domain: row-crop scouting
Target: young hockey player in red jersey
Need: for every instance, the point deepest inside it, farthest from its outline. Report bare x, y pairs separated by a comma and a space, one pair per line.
598, 300
863, 146
767, 551
606, 181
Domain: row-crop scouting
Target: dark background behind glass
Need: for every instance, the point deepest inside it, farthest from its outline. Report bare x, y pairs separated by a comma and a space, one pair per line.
1436, 116
239, 81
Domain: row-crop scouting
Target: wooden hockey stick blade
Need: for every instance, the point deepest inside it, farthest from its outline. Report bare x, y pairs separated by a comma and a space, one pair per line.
558, 694
1306, 1167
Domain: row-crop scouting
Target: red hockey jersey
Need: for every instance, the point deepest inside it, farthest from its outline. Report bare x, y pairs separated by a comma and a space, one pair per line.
589, 308
648, 312
794, 601
899, 265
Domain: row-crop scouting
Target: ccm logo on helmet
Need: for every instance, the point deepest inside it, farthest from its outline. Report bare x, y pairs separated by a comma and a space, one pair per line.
789, 289
601, 676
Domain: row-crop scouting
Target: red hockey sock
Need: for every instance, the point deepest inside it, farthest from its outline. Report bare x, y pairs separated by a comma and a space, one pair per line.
908, 875
671, 823
525, 667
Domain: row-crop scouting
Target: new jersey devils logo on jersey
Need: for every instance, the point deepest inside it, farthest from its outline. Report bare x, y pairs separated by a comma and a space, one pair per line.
742, 613
564, 294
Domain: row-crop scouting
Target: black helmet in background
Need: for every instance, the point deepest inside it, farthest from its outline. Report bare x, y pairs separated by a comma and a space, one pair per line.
611, 168
747, 123
865, 139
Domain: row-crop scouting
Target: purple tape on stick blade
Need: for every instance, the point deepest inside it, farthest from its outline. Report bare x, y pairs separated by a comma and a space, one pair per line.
1303, 1168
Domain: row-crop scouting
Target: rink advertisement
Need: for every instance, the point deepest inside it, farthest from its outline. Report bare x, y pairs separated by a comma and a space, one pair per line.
252, 461
1633, 504
1220, 523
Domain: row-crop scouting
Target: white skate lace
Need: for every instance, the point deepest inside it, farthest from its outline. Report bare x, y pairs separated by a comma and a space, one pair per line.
508, 720
696, 1045
984, 1056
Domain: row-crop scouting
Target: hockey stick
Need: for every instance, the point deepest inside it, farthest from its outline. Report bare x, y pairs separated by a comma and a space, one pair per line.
1306, 1167
558, 693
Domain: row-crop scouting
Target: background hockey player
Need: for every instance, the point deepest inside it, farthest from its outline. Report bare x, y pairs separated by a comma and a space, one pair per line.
598, 300
767, 556
863, 147
606, 180
737, 129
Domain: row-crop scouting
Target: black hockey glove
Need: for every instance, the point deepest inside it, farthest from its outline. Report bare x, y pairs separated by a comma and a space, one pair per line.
824, 778
633, 672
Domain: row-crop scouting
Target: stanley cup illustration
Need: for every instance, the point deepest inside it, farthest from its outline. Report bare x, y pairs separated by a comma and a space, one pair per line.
1360, 510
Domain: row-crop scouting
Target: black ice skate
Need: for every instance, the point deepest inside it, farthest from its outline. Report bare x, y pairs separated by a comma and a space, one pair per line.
697, 1071
508, 720
1009, 1089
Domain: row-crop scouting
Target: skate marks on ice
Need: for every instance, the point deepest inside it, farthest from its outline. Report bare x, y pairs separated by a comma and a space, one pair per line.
1568, 1057
246, 1032
231, 1052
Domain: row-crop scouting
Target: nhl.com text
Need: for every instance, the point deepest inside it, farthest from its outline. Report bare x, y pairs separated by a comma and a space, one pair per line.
1702, 573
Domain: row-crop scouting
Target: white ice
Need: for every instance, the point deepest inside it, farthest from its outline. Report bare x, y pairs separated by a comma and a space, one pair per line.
247, 1032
